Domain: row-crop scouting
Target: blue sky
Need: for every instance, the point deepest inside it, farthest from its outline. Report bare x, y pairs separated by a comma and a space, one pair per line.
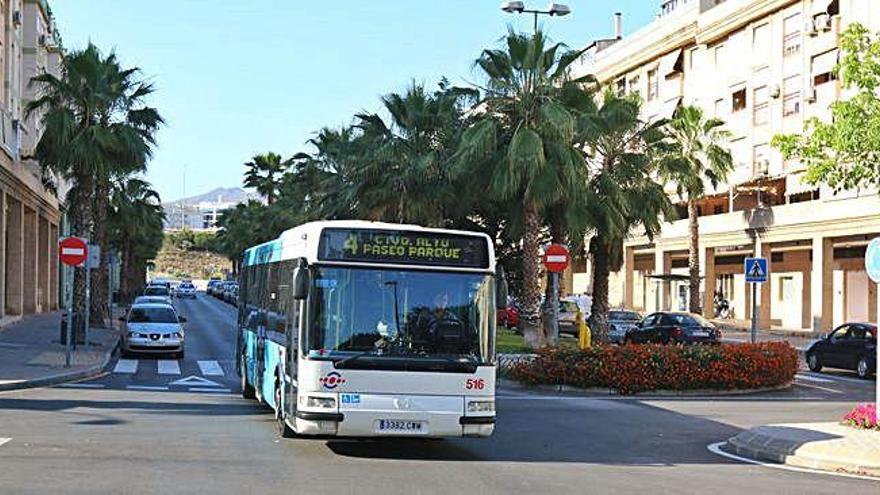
236, 78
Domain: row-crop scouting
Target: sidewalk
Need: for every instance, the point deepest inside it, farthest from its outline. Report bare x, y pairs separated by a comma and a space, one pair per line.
32, 356
824, 446
799, 342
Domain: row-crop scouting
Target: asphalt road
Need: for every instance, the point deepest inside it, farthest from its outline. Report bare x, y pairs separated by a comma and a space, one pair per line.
137, 431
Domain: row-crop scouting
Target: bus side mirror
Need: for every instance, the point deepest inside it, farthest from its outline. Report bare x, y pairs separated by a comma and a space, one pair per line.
501, 291
301, 280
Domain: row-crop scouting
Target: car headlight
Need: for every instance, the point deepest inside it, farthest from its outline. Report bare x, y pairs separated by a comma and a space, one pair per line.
178, 335
321, 402
481, 406
132, 334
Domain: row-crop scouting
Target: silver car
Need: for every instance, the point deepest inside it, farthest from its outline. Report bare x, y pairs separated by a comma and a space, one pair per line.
153, 328
185, 289
621, 321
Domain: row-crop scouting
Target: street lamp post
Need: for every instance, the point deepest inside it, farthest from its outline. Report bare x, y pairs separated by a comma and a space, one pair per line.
554, 9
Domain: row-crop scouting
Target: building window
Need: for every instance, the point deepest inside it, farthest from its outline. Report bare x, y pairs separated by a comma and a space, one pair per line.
620, 86
739, 100
791, 42
761, 41
634, 85
761, 160
719, 56
761, 110
653, 85
791, 99
823, 68
692, 58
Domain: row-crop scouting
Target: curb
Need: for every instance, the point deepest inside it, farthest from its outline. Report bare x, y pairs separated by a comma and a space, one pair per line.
760, 445
652, 393
59, 378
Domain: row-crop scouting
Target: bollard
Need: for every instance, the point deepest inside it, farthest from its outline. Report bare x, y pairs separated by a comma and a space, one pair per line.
584, 335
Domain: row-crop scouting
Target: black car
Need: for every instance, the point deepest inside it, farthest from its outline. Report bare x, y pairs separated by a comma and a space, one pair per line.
670, 327
851, 346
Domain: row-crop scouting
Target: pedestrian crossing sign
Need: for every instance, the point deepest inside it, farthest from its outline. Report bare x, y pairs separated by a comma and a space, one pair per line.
756, 270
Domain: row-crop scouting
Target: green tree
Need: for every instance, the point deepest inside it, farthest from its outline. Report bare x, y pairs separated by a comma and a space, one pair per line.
135, 226
844, 153
523, 143
97, 128
696, 155
621, 152
264, 173
241, 227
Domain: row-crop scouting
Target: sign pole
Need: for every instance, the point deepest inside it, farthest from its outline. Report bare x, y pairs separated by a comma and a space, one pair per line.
88, 308
555, 279
69, 329
754, 312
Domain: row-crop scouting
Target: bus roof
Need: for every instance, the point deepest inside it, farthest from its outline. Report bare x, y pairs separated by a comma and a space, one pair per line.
303, 241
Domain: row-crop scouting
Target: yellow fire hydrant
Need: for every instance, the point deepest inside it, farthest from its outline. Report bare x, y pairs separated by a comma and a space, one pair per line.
585, 337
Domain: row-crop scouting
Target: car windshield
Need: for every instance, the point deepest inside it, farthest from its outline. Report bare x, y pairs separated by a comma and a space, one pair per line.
689, 320
568, 306
152, 315
156, 291
150, 299
624, 316
404, 315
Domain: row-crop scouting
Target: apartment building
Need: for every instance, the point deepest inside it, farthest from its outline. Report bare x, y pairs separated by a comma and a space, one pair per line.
763, 66
31, 218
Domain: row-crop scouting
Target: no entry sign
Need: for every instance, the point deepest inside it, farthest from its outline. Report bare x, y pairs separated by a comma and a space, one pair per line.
556, 258
72, 251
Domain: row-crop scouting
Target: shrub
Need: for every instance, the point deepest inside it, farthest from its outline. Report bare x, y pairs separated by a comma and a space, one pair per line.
863, 416
639, 368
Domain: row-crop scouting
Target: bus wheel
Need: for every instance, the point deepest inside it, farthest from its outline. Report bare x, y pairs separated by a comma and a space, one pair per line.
247, 391
281, 426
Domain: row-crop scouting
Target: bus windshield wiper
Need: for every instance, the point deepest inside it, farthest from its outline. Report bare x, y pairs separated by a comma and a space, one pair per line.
352, 357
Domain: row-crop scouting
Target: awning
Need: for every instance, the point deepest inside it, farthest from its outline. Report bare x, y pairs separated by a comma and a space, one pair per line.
825, 62
671, 277
671, 62
669, 107
820, 7
794, 184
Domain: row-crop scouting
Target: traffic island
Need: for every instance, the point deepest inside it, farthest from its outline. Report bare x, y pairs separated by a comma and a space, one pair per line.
824, 446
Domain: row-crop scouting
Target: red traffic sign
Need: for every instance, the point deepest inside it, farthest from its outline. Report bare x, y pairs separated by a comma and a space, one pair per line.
556, 258
73, 251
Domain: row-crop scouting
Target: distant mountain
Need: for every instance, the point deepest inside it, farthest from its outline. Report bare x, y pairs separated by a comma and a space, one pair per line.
218, 195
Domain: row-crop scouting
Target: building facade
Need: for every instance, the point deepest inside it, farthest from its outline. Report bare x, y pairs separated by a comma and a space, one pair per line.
30, 220
762, 66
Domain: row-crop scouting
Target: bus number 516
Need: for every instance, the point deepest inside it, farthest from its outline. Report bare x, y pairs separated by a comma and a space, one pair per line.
475, 384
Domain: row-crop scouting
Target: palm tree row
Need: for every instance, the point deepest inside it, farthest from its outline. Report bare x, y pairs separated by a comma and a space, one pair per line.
533, 155
99, 135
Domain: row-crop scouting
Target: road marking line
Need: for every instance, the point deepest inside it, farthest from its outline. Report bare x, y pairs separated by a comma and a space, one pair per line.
129, 366
824, 389
145, 387
218, 390
4, 440
81, 385
816, 379
836, 378
168, 367
196, 381
715, 448
210, 368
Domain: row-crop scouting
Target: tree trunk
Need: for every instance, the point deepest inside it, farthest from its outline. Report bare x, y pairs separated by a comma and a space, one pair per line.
99, 306
695, 305
79, 201
557, 236
530, 314
601, 260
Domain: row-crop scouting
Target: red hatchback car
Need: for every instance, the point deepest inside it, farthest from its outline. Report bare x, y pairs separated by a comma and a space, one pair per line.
508, 317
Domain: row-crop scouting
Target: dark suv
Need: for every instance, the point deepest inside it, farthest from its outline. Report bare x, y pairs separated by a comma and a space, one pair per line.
851, 346
669, 327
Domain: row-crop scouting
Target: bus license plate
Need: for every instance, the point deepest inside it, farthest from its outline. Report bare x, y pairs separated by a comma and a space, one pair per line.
401, 426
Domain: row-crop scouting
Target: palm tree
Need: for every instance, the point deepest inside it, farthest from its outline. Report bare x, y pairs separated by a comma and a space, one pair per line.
697, 156
264, 173
622, 195
522, 143
135, 225
97, 126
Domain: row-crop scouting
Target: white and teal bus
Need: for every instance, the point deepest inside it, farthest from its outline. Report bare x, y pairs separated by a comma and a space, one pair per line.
359, 329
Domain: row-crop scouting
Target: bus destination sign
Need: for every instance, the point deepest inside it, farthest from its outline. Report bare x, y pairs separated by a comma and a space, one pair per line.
402, 247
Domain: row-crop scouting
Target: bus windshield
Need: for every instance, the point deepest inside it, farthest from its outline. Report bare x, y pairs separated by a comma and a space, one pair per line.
375, 316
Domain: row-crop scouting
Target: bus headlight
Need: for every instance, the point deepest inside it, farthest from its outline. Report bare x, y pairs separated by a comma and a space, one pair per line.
321, 402
481, 406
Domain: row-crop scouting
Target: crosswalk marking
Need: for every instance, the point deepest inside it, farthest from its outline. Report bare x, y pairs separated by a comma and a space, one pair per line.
210, 368
168, 367
215, 390
4, 440
145, 387
126, 366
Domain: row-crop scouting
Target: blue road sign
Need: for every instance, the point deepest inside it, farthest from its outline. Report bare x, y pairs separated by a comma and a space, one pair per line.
756, 270
872, 260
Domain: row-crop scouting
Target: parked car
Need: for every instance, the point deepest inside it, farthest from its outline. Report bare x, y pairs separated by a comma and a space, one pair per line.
230, 292
621, 321
851, 346
185, 289
673, 327
568, 309
508, 317
151, 300
160, 283
153, 328
212, 286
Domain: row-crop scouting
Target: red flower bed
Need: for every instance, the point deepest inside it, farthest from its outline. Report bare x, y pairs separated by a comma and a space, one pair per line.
863, 416
639, 368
